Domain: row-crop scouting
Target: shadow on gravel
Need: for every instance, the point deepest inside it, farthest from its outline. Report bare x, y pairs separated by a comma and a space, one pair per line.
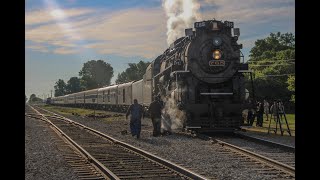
159, 141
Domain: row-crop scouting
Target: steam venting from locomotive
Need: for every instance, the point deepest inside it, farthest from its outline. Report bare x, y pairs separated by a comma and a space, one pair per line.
173, 117
181, 15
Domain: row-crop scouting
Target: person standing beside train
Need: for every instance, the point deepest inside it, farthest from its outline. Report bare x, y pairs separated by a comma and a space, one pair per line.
281, 109
136, 111
155, 114
260, 114
266, 109
274, 109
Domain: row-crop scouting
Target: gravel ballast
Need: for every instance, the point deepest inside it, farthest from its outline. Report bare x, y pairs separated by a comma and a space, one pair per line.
201, 156
42, 158
286, 140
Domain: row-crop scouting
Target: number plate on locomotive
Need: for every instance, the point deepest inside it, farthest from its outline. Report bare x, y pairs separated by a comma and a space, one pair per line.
217, 63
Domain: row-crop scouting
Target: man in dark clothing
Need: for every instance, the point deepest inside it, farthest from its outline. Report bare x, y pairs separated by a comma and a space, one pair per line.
250, 117
136, 111
260, 109
155, 114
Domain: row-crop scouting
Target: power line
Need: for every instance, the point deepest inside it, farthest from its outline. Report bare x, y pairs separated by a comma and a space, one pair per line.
271, 64
275, 60
275, 75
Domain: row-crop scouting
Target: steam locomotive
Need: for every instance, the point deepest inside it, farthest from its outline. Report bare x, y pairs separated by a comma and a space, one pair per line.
201, 73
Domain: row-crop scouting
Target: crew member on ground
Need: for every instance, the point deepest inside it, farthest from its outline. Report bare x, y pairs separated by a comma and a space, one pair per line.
155, 114
136, 112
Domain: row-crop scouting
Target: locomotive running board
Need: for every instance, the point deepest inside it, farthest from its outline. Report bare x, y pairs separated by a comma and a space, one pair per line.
208, 94
193, 127
245, 71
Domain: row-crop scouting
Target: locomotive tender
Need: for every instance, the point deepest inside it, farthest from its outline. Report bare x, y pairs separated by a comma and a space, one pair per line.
202, 72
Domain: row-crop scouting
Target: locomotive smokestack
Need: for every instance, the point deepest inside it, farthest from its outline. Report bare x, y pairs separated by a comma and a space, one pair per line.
181, 15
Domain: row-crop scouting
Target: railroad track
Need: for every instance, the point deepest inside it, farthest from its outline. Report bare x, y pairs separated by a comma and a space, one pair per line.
113, 158
266, 142
275, 156
80, 165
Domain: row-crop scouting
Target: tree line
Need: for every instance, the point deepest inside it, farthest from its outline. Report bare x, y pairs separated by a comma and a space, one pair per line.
272, 60
33, 99
97, 74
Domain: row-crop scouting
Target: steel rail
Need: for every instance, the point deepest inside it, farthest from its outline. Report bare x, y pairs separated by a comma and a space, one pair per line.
278, 165
264, 141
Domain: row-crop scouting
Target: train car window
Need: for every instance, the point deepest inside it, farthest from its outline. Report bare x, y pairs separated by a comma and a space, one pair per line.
108, 95
102, 96
123, 95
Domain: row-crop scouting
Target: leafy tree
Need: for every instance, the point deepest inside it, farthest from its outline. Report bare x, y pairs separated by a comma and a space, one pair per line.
272, 60
95, 74
274, 43
33, 98
36, 99
134, 72
73, 85
292, 87
60, 88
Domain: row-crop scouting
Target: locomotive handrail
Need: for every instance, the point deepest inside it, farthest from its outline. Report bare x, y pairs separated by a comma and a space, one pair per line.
162, 71
178, 72
216, 93
217, 77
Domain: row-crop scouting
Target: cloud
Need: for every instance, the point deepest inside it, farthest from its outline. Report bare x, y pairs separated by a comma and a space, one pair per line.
256, 19
65, 51
130, 32
249, 11
142, 31
38, 48
47, 15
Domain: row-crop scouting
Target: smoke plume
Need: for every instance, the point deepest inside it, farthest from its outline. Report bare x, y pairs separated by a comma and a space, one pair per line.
181, 15
172, 117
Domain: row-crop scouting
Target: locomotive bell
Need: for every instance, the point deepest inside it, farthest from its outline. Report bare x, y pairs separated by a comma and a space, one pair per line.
217, 41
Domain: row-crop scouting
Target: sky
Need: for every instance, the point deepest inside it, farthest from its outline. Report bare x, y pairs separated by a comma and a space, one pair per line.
61, 35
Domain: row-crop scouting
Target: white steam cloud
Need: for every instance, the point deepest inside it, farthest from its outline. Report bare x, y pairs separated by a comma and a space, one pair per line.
172, 117
181, 15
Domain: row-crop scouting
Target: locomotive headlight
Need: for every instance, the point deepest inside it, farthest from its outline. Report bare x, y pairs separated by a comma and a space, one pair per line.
216, 54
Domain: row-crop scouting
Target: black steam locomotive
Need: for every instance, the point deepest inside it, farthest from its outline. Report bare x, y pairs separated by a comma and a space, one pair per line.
204, 74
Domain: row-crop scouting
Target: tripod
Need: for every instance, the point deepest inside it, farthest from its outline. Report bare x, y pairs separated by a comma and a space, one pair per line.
279, 120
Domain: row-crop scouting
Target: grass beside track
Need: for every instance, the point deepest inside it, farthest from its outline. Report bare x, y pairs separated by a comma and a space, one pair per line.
117, 116
112, 116
291, 122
